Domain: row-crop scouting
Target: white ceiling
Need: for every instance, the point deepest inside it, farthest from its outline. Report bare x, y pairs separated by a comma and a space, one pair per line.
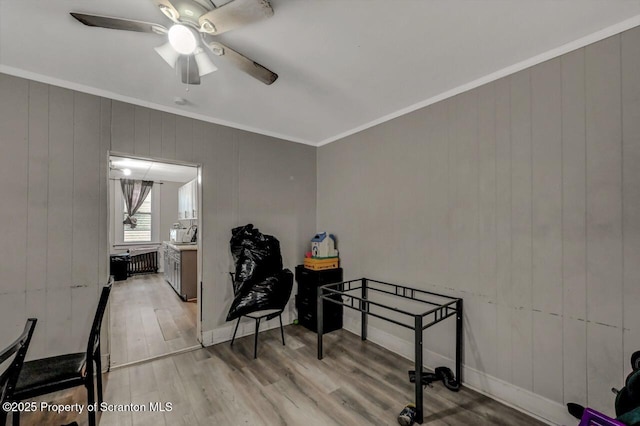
343, 65
151, 170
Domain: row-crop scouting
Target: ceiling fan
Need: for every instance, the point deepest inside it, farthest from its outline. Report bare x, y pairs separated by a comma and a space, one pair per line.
195, 23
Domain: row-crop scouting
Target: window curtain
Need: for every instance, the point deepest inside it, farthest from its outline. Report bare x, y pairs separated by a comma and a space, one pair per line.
134, 192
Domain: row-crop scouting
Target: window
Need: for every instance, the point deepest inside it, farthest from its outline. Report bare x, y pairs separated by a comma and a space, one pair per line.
142, 232
147, 230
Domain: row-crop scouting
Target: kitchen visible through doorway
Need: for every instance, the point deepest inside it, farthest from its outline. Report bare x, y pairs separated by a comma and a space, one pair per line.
154, 215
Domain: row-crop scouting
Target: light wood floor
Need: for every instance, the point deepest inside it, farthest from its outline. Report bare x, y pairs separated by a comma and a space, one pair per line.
355, 384
148, 319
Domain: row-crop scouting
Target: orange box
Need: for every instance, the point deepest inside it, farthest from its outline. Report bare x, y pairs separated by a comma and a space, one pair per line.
321, 264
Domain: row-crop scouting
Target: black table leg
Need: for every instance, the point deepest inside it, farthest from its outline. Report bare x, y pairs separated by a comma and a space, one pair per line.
320, 323
418, 369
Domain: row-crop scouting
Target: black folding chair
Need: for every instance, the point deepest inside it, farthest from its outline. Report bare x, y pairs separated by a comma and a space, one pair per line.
257, 316
9, 377
46, 375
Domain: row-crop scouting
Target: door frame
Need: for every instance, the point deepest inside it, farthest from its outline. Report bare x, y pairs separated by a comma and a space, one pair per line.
199, 308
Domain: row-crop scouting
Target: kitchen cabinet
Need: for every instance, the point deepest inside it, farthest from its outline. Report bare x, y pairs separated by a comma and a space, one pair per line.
181, 269
188, 200
167, 266
194, 198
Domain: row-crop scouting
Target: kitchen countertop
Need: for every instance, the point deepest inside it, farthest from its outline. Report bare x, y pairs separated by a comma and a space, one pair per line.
181, 247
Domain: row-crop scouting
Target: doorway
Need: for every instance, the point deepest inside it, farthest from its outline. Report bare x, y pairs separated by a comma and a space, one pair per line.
154, 257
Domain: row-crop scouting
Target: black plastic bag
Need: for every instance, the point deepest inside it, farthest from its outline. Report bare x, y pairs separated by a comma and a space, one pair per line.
257, 256
271, 293
260, 282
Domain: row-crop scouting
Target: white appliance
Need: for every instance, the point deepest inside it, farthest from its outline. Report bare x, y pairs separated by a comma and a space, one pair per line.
177, 235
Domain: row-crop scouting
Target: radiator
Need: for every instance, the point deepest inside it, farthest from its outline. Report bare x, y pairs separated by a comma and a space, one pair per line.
144, 263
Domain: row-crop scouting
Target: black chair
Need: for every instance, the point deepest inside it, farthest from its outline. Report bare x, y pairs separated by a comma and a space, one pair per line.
258, 316
9, 377
43, 376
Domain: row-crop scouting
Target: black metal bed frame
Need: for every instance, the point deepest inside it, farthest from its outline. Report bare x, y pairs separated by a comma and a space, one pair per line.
338, 292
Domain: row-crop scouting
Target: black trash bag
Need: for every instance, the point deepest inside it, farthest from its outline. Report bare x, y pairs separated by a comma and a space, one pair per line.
271, 293
260, 282
256, 255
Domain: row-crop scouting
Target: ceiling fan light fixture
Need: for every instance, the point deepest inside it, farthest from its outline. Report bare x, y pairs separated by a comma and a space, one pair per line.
168, 53
205, 65
182, 39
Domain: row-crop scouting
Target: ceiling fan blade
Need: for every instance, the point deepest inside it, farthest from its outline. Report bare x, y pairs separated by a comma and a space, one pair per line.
119, 23
240, 61
234, 14
189, 68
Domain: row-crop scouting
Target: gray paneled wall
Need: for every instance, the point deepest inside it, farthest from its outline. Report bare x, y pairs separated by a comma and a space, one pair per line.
521, 196
630, 51
54, 194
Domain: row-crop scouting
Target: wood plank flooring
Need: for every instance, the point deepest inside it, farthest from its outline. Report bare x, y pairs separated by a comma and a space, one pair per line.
148, 319
357, 383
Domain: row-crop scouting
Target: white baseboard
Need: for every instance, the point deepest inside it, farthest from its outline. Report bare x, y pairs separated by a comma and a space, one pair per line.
539, 407
246, 328
156, 357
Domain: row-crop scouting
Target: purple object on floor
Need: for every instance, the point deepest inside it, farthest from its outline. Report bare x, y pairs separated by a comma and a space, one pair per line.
591, 417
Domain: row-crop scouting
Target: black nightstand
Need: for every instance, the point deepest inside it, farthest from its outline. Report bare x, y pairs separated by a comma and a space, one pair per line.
306, 301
